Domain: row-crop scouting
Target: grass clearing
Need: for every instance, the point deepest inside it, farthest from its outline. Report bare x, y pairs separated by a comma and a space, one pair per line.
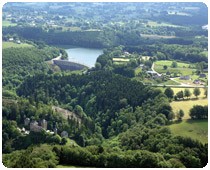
155, 36
186, 105
161, 24
195, 129
120, 59
137, 71
201, 96
8, 23
15, 45
182, 68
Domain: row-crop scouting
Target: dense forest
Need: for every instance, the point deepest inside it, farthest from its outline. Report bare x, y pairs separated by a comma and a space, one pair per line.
106, 116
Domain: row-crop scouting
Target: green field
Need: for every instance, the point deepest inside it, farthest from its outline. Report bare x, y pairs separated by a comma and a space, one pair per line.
177, 89
8, 23
155, 36
15, 45
137, 71
187, 105
195, 129
161, 24
182, 68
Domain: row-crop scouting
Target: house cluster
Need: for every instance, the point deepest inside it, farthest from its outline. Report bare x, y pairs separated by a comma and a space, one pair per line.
35, 126
196, 81
13, 40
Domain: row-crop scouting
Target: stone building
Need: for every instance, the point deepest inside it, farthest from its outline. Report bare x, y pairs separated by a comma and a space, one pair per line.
44, 124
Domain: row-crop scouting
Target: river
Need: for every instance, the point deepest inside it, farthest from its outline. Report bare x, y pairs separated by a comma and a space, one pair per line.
85, 56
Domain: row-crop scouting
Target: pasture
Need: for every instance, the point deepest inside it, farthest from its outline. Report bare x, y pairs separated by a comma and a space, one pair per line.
182, 68
155, 36
8, 23
15, 45
161, 24
186, 105
195, 129
177, 89
120, 59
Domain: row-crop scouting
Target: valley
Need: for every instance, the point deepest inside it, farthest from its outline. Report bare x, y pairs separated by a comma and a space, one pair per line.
104, 85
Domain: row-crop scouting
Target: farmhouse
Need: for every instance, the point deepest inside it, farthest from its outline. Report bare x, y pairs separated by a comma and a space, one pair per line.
184, 78
196, 82
202, 75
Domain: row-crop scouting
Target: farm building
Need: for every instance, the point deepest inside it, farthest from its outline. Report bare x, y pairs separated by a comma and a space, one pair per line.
184, 78
196, 82
202, 75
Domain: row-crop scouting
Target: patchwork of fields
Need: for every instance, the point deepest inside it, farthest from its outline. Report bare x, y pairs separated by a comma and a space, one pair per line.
196, 129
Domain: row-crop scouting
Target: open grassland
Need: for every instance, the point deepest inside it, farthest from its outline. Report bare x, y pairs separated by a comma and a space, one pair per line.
137, 71
121, 59
182, 68
8, 23
195, 129
15, 45
170, 82
161, 24
186, 105
191, 90
155, 36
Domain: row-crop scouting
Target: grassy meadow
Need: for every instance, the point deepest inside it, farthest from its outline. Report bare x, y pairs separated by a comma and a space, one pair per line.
182, 68
15, 45
8, 23
187, 105
195, 129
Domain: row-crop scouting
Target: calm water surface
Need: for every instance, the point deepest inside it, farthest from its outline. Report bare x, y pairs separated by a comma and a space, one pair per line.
86, 56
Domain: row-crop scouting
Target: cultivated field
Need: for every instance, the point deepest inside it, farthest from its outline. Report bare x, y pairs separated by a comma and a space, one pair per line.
15, 45
195, 129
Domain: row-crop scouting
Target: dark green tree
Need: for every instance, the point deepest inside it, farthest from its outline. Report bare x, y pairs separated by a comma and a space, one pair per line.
169, 92
196, 92
187, 93
180, 114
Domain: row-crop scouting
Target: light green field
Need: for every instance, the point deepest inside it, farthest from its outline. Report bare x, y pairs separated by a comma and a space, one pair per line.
182, 68
137, 71
191, 90
195, 129
15, 45
187, 105
163, 24
170, 82
8, 23
121, 59
155, 36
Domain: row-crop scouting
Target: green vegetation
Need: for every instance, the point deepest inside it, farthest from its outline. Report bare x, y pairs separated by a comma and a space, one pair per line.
8, 23
15, 45
182, 68
187, 105
195, 129
108, 116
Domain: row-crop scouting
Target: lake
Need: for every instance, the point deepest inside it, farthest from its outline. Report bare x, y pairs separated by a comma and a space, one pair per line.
86, 56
